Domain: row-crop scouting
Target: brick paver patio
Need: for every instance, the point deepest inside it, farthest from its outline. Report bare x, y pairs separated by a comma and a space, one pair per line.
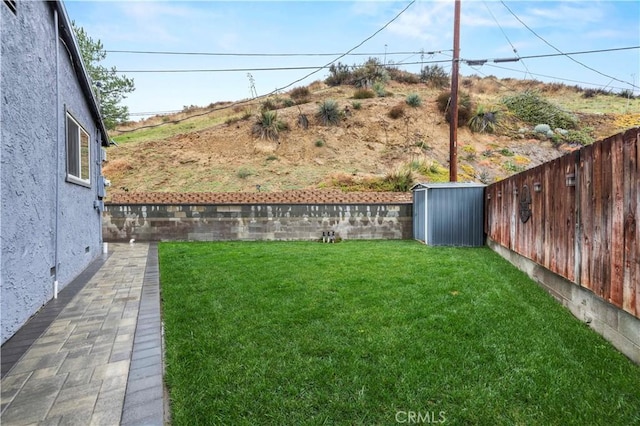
99, 360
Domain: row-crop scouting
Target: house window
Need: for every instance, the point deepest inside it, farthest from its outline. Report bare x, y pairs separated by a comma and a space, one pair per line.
12, 4
78, 153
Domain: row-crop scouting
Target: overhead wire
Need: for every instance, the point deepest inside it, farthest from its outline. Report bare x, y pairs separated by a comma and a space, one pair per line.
562, 53
286, 86
519, 58
149, 52
505, 35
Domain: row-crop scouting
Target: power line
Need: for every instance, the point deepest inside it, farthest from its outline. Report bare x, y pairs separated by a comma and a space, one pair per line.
149, 52
259, 69
559, 51
504, 34
349, 51
497, 60
284, 87
552, 77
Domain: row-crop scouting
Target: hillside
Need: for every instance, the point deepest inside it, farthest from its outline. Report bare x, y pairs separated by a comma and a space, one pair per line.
215, 150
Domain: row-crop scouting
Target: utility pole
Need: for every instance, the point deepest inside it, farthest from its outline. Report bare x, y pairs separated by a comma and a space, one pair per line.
453, 122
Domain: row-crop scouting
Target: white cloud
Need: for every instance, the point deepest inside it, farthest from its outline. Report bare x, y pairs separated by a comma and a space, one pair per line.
430, 22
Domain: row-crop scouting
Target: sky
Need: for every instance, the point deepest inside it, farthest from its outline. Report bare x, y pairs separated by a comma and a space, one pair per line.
313, 34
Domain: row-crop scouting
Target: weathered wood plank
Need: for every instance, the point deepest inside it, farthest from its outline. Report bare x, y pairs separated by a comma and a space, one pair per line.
570, 218
617, 221
630, 261
597, 257
548, 219
607, 208
586, 213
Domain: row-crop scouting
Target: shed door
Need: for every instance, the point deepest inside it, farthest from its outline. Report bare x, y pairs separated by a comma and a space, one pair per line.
419, 219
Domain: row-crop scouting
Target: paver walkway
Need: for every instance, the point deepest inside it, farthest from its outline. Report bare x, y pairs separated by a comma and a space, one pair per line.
99, 362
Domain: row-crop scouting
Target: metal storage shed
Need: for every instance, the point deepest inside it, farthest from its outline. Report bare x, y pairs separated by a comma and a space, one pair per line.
449, 214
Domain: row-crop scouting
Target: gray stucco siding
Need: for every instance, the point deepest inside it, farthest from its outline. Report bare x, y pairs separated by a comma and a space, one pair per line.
31, 119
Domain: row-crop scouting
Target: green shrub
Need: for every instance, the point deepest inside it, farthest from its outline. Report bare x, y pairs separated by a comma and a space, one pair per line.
244, 173
484, 120
581, 137
268, 126
509, 166
356, 105
531, 108
400, 180
363, 94
378, 87
329, 113
319, 143
413, 100
288, 103
370, 73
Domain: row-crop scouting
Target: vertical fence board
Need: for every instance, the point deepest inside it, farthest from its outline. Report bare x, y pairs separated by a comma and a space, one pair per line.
548, 219
586, 216
631, 159
596, 265
569, 208
543, 214
617, 221
607, 208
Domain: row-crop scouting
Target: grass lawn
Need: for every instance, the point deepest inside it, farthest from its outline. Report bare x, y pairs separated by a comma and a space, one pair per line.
375, 332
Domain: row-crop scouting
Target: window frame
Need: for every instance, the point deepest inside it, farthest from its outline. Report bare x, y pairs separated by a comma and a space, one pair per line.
78, 148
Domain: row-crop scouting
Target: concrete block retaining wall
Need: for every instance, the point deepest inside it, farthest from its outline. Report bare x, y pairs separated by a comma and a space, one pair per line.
206, 222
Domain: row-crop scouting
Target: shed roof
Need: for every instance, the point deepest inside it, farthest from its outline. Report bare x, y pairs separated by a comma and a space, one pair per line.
429, 185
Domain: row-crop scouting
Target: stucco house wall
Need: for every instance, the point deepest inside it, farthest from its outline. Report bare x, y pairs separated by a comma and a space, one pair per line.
44, 216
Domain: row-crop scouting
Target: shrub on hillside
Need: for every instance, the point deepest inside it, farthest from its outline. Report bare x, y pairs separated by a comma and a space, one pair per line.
329, 113
268, 105
339, 74
396, 111
484, 120
402, 76
370, 73
531, 108
465, 107
364, 94
299, 93
435, 76
379, 89
268, 126
400, 180
413, 100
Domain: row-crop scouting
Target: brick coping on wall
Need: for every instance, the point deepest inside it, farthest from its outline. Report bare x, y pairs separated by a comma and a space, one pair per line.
284, 197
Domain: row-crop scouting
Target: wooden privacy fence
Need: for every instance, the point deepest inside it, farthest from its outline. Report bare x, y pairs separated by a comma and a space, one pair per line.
578, 217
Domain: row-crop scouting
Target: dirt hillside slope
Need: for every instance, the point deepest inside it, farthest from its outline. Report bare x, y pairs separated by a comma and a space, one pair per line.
215, 151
